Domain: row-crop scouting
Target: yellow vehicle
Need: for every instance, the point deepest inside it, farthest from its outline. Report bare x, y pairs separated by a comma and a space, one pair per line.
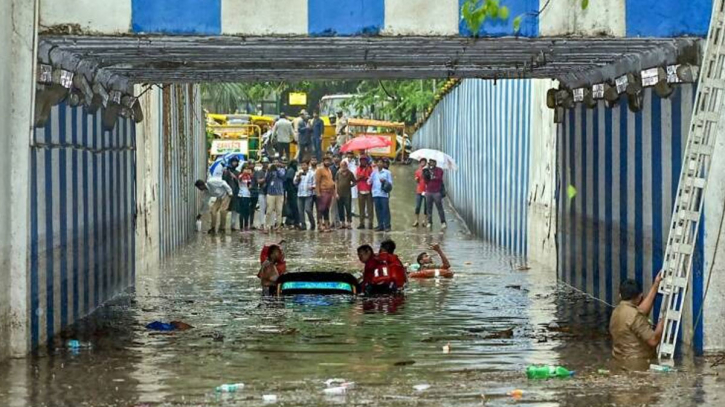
236, 133
399, 146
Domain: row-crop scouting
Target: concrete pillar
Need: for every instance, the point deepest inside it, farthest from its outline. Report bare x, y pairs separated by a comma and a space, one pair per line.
18, 38
147, 188
541, 199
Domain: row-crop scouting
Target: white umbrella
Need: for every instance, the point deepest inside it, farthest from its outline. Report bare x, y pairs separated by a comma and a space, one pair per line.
442, 159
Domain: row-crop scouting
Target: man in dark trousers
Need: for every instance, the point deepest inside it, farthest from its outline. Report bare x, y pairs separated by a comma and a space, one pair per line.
318, 130
434, 192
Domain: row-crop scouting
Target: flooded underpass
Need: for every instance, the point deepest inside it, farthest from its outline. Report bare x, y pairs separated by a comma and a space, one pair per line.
496, 317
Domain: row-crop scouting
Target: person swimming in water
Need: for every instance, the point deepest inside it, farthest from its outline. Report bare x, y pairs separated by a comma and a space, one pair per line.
383, 274
269, 271
426, 268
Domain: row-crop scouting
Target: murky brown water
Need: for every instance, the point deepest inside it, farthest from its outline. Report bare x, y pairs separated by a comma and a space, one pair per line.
288, 348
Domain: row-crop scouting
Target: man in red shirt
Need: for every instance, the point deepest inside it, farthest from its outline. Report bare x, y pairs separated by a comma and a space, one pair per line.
420, 193
364, 191
434, 192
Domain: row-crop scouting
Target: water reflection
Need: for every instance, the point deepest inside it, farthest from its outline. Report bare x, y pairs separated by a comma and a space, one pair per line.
495, 318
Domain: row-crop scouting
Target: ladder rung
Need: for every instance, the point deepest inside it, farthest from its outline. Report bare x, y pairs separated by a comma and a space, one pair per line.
684, 214
667, 349
695, 182
673, 315
677, 282
701, 149
682, 248
713, 83
709, 116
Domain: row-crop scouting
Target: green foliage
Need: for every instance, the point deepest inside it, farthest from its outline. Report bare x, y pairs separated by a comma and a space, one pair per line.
475, 12
397, 100
394, 100
585, 4
517, 23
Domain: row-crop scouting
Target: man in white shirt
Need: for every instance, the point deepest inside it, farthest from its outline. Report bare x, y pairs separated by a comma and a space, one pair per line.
221, 192
283, 133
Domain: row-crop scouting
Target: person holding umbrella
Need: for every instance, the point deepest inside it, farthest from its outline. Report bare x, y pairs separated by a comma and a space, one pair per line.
434, 192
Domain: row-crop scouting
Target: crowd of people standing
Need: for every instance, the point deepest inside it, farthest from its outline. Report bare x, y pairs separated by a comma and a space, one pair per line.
300, 195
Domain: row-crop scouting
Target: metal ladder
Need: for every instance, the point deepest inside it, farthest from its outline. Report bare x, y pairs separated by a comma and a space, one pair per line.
693, 182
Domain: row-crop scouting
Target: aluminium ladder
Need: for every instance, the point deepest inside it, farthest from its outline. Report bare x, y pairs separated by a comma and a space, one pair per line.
694, 176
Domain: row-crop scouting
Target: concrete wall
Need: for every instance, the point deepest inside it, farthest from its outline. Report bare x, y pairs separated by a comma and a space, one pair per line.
18, 19
541, 198
82, 203
487, 127
645, 18
182, 160
625, 168
171, 155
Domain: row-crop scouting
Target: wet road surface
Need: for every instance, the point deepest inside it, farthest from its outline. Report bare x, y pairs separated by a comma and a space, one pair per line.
494, 316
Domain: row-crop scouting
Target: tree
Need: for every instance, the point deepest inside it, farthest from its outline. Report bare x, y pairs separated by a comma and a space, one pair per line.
397, 100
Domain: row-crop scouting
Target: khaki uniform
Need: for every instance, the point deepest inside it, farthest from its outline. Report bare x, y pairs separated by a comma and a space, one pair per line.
630, 330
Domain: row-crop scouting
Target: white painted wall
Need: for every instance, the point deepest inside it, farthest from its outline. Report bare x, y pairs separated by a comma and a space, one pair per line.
18, 22
147, 183
542, 177
714, 303
421, 17
103, 16
264, 17
601, 18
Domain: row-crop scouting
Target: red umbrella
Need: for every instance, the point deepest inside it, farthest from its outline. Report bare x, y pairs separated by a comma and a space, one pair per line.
366, 143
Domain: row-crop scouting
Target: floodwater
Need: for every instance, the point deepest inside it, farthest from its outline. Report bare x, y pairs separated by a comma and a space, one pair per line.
494, 315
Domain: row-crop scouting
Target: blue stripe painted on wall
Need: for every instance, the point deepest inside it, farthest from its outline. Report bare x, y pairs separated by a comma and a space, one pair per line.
345, 17
34, 255
60, 274
596, 222
663, 156
494, 27
638, 202
62, 203
667, 18
48, 200
189, 17
483, 188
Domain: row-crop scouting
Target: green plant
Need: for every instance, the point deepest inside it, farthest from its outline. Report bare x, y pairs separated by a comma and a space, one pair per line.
475, 12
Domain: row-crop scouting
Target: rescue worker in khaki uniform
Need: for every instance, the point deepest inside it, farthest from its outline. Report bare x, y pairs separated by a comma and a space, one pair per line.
632, 335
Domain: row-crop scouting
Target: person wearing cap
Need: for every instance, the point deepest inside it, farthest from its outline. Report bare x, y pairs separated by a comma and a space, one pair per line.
365, 198
284, 133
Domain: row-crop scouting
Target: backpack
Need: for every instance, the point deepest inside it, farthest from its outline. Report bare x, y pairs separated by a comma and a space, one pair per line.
386, 186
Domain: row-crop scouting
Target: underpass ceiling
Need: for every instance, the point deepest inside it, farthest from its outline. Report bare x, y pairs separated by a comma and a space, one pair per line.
157, 59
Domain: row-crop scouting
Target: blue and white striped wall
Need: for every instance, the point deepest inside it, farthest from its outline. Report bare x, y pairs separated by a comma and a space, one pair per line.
625, 168
631, 18
485, 126
82, 205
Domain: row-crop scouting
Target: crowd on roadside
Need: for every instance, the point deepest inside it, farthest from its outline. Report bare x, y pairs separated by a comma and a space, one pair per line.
300, 195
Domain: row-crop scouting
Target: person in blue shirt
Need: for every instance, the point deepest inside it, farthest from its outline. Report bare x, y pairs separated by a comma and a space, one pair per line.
381, 181
275, 194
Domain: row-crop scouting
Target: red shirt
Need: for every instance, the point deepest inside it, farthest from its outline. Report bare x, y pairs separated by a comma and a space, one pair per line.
362, 184
420, 188
434, 185
281, 264
395, 267
370, 266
